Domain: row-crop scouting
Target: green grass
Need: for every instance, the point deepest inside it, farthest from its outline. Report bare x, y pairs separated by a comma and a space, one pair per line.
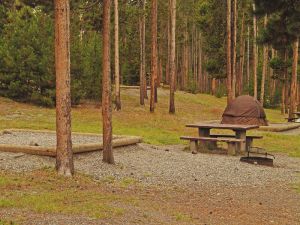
158, 128
281, 143
44, 192
180, 217
7, 222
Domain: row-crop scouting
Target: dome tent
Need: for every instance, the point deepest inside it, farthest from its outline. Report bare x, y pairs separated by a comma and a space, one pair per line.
245, 110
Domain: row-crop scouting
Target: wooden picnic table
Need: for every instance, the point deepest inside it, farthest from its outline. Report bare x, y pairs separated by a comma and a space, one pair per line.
240, 131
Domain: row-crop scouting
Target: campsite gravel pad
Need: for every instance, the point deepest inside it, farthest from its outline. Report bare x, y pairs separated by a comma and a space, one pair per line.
165, 166
217, 189
43, 139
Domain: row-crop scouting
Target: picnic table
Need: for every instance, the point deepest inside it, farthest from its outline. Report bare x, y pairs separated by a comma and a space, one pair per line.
240, 137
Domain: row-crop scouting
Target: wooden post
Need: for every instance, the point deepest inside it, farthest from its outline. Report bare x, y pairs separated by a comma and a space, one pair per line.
232, 149
204, 146
241, 134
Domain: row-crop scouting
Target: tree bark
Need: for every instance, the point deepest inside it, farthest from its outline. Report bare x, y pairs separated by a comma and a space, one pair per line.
293, 103
272, 81
168, 44
153, 54
248, 59
283, 89
144, 48
106, 87
242, 58
234, 34
254, 53
200, 73
64, 158
142, 65
172, 56
213, 86
117, 63
265, 67
229, 65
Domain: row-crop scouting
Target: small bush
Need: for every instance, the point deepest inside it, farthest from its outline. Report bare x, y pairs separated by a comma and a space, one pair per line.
192, 87
42, 100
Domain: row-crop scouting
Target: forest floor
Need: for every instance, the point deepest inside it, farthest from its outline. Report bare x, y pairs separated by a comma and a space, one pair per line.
152, 183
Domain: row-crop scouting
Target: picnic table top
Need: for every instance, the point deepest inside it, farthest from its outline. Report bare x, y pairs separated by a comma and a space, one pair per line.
223, 126
297, 113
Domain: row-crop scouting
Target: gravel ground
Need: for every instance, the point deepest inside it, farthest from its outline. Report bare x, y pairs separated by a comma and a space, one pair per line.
43, 139
168, 166
152, 165
218, 189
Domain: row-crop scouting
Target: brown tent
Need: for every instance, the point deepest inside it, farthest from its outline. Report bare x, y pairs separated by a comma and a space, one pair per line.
245, 110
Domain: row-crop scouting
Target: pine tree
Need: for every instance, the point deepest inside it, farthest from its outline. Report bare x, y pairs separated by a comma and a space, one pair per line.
117, 63
154, 61
172, 55
106, 87
64, 154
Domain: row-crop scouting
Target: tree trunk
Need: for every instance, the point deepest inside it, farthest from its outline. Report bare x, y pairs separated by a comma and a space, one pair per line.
117, 64
169, 45
242, 58
272, 81
153, 54
254, 54
265, 67
213, 86
144, 48
293, 102
234, 34
200, 64
248, 59
142, 53
64, 157
283, 88
172, 56
229, 66
106, 87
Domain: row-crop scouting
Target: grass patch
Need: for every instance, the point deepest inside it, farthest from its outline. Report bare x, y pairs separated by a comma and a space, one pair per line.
44, 192
297, 187
180, 217
7, 222
159, 128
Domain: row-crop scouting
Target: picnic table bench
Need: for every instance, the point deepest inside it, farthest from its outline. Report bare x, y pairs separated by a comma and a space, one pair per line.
194, 142
240, 142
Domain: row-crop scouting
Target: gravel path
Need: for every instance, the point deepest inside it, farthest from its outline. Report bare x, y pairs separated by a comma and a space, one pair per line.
43, 139
168, 166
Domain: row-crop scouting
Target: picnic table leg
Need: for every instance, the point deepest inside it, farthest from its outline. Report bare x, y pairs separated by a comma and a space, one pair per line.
194, 147
241, 134
249, 143
232, 148
204, 146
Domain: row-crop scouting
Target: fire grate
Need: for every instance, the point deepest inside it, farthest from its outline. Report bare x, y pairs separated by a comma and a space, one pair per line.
256, 160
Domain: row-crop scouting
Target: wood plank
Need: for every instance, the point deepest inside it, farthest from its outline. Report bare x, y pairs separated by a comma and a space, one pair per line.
233, 136
212, 139
222, 126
